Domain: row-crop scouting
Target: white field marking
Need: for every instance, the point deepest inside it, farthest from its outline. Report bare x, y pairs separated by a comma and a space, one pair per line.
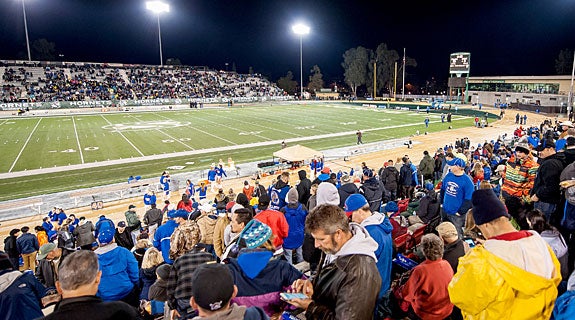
231, 149
78, 140
24, 146
175, 139
4, 122
123, 136
232, 128
259, 125
213, 135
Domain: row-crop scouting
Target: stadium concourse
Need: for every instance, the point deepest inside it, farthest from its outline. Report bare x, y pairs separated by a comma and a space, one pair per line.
430, 142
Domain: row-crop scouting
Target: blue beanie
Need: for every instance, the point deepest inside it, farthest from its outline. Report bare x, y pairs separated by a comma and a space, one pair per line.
106, 235
391, 206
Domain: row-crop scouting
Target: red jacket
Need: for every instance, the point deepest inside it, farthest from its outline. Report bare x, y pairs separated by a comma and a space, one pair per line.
277, 221
426, 290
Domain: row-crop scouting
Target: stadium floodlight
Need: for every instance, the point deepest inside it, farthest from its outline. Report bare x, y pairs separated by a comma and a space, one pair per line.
300, 30
26, 30
158, 7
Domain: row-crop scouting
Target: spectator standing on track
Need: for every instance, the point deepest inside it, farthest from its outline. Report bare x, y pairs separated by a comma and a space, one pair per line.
359, 135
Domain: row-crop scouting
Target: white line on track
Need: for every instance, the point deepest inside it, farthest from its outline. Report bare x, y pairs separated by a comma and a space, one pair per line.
24, 146
78, 140
123, 136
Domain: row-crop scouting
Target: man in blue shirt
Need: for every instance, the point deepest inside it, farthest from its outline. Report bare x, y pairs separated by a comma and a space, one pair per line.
456, 190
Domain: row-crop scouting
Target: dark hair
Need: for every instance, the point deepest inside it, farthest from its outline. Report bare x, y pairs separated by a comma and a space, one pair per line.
328, 218
13, 232
25, 229
242, 199
538, 222
39, 228
243, 215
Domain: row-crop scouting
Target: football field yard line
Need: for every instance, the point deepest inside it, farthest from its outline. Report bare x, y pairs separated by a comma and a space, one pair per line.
123, 136
235, 129
24, 146
265, 127
78, 139
3, 122
175, 139
213, 135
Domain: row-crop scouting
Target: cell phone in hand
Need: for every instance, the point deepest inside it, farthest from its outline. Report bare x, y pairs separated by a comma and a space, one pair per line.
470, 242
289, 296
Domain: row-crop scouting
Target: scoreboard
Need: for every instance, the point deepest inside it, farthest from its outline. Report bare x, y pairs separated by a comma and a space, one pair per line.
459, 62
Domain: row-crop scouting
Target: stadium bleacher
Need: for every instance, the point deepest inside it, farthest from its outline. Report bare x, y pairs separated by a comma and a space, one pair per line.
89, 82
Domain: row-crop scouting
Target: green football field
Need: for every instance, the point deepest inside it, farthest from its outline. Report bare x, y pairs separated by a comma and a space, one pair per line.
44, 142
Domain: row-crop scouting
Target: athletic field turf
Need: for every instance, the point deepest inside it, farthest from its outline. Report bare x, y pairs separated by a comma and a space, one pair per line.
45, 142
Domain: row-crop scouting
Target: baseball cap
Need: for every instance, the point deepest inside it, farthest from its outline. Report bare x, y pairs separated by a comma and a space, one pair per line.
522, 147
456, 162
368, 172
446, 229
544, 144
122, 224
354, 202
105, 236
213, 286
45, 249
345, 178
131, 206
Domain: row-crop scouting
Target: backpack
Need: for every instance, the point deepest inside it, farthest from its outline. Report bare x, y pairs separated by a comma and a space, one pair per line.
184, 239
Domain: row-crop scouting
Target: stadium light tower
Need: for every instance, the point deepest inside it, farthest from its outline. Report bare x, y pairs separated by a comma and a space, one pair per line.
26, 30
158, 7
300, 30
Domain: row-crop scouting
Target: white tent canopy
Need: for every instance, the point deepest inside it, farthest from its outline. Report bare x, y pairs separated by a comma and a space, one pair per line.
297, 153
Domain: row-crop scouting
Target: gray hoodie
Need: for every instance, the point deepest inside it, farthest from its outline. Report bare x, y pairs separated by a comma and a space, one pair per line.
360, 243
327, 194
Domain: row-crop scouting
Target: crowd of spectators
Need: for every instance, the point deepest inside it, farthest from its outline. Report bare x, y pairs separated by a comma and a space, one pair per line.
492, 225
98, 82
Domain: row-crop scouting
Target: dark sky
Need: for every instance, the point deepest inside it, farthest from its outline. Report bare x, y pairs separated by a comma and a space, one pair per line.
505, 37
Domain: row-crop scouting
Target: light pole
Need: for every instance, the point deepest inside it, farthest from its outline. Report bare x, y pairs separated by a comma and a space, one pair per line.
26, 30
158, 7
301, 30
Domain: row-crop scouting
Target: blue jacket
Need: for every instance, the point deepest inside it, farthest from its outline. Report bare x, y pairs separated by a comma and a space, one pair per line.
296, 220
149, 199
47, 225
103, 222
212, 175
220, 172
379, 228
278, 195
27, 243
162, 239
261, 280
61, 217
20, 295
119, 272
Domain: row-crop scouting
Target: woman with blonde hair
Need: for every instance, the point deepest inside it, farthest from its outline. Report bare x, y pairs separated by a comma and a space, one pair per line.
152, 260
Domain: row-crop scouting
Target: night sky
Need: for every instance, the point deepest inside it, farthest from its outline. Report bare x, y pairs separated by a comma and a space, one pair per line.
505, 37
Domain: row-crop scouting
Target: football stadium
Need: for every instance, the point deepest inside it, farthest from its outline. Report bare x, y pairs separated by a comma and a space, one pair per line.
219, 184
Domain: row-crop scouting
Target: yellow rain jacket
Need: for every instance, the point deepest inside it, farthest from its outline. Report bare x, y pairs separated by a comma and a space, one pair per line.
487, 287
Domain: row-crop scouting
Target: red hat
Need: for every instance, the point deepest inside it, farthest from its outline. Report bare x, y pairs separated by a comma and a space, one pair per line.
325, 170
229, 206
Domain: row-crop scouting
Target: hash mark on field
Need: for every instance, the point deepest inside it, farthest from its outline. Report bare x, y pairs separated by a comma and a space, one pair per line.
24, 146
123, 136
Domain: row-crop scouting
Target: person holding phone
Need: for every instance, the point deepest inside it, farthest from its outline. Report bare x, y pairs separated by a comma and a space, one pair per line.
347, 282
